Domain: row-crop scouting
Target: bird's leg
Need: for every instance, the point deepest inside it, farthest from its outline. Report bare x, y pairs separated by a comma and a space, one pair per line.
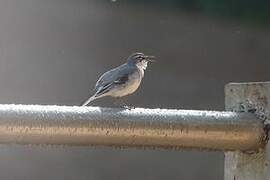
119, 102
122, 103
126, 105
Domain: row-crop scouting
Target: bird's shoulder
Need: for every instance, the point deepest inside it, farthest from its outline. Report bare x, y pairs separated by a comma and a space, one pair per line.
115, 74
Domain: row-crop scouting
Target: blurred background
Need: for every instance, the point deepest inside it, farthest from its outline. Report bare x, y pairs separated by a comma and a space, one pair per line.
53, 51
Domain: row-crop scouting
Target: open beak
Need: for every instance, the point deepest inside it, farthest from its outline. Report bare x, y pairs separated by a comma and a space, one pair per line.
150, 58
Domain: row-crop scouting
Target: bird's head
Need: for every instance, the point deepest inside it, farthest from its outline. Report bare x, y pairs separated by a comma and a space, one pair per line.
140, 60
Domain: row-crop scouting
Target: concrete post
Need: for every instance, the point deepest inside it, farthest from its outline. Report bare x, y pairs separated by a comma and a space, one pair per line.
254, 98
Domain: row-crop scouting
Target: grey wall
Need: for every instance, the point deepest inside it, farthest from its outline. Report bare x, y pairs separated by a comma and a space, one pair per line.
52, 52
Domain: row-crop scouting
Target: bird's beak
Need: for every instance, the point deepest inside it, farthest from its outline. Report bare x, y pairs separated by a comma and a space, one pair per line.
150, 58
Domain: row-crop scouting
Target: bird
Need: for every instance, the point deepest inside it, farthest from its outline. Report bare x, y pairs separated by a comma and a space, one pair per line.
122, 80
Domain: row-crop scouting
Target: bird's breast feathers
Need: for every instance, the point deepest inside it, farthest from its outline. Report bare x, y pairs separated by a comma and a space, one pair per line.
129, 87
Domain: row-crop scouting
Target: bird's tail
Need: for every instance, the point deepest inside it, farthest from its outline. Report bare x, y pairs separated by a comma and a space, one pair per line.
92, 98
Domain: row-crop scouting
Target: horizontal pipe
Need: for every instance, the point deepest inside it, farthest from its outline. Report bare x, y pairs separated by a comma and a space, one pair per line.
66, 125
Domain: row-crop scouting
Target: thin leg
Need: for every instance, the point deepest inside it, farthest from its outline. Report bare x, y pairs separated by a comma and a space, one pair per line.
120, 102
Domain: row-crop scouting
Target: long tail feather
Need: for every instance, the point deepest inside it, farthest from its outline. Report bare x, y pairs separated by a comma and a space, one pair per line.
100, 93
92, 98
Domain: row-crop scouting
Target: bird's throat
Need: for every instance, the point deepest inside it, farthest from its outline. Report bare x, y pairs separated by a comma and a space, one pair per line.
142, 65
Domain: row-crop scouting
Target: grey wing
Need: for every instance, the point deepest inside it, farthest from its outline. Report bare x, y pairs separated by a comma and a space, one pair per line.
113, 77
106, 78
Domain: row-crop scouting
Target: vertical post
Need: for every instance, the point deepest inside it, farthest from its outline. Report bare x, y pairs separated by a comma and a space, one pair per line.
249, 97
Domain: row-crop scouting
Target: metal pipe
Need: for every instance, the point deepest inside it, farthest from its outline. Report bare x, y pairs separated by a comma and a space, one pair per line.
166, 128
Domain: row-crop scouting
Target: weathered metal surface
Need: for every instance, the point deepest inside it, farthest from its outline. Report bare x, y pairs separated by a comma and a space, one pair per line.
33, 124
255, 98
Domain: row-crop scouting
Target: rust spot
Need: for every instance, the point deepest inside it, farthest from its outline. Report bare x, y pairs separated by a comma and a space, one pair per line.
267, 131
252, 110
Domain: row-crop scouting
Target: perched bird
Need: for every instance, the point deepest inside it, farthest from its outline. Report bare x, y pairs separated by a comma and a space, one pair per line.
122, 80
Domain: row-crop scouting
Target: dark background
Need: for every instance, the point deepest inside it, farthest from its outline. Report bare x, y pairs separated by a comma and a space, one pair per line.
53, 51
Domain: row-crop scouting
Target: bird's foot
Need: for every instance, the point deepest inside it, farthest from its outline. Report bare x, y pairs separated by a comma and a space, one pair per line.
128, 107
122, 104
